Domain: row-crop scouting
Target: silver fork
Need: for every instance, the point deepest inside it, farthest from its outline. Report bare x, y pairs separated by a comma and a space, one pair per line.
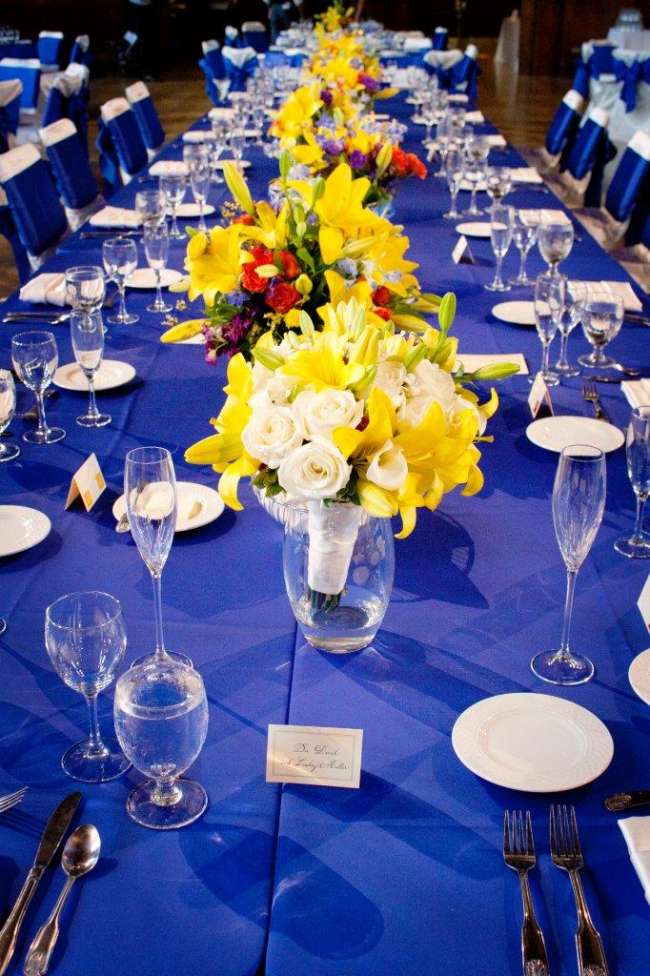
12, 799
590, 393
566, 853
519, 854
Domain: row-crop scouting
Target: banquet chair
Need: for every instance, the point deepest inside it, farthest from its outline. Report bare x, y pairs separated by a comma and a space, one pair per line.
417, 45
240, 64
560, 134
214, 72
440, 37
74, 178
463, 76
122, 152
254, 35
583, 163
231, 36
28, 71
34, 203
140, 100
68, 98
49, 45
80, 51
10, 92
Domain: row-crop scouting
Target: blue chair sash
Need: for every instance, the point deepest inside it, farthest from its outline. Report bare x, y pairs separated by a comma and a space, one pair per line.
638, 230
631, 75
628, 182
238, 75
129, 144
72, 172
79, 53
49, 49
149, 122
78, 113
30, 75
9, 231
35, 207
109, 165
562, 130
440, 37
214, 61
601, 61
580, 81
605, 152
579, 158
258, 40
464, 76
56, 107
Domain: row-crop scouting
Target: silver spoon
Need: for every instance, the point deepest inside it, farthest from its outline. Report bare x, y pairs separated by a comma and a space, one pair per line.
123, 524
80, 855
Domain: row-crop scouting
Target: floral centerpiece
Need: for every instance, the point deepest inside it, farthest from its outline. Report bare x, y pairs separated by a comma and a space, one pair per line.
334, 18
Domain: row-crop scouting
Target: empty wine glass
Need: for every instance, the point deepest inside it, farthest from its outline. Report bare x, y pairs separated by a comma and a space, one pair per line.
85, 287
172, 187
548, 303
85, 641
555, 241
574, 301
217, 146
578, 505
524, 234
237, 143
161, 721
501, 218
454, 166
198, 163
602, 318
477, 150
155, 238
637, 546
120, 256
7, 410
35, 358
498, 182
428, 116
151, 206
87, 335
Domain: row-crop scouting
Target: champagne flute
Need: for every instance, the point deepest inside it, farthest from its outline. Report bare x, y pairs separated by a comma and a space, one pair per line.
120, 256
501, 219
555, 241
574, 301
549, 297
7, 410
454, 166
237, 143
601, 319
87, 335
478, 150
199, 172
85, 287
637, 546
35, 358
155, 238
217, 147
172, 187
578, 505
524, 234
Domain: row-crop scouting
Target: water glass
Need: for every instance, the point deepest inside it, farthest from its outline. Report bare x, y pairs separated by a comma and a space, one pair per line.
237, 142
555, 242
87, 335
637, 546
574, 302
7, 410
602, 319
172, 188
35, 359
155, 238
549, 296
217, 146
501, 221
578, 505
200, 184
85, 641
161, 721
120, 257
524, 234
454, 167
498, 182
151, 206
85, 287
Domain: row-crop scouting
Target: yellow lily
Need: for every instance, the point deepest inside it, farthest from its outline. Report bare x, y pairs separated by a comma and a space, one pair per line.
214, 262
323, 365
182, 331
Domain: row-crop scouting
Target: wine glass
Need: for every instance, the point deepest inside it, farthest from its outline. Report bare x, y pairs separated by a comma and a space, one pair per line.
151, 503
120, 257
7, 410
35, 358
574, 302
85, 287
555, 242
155, 238
237, 143
151, 206
85, 641
578, 506
161, 721
550, 291
87, 335
637, 546
477, 150
524, 234
498, 183
428, 116
501, 218
172, 187
454, 166
601, 319
217, 146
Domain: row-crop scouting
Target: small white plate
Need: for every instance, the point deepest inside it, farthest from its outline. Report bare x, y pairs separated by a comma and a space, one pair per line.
639, 676
209, 505
21, 528
111, 374
245, 163
477, 229
515, 313
556, 433
146, 278
531, 742
193, 210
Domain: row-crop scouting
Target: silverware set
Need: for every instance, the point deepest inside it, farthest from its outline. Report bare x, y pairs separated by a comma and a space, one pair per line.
52, 316
591, 395
12, 799
566, 854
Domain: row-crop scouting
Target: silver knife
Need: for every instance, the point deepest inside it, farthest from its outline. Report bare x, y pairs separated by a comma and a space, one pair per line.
627, 801
53, 834
53, 318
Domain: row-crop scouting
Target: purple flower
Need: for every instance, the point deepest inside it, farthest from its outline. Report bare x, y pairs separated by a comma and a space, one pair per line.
370, 84
236, 331
357, 159
332, 147
236, 298
326, 97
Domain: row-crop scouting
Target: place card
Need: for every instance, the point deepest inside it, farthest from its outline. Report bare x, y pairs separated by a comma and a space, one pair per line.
462, 252
314, 755
644, 603
539, 398
87, 483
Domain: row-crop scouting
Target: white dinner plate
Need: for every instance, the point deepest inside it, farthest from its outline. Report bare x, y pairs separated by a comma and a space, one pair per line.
639, 676
111, 374
21, 528
146, 278
515, 313
477, 229
556, 433
198, 505
245, 163
193, 210
532, 742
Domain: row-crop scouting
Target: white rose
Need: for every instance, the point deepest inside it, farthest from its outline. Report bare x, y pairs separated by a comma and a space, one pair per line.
428, 379
414, 409
319, 414
276, 392
314, 471
388, 468
271, 435
390, 378
261, 376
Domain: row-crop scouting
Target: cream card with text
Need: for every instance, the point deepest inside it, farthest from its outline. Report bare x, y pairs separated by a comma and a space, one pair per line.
314, 755
87, 483
539, 397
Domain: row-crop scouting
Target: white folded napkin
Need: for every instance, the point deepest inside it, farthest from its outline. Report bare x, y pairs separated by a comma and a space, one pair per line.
475, 118
115, 217
496, 141
636, 392
525, 174
459, 98
221, 113
157, 499
46, 289
168, 167
544, 217
473, 361
636, 831
198, 135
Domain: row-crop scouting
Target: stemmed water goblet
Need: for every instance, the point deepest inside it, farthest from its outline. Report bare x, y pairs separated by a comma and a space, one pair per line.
87, 336
498, 183
85, 287
601, 319
151, 206
637, 546
574, 302
501, 219
172, 187
578, 505
7, 410
120, 257
85, 641
524, 234
454, 170
549, 297
155, 238
35, 358
198, 161
259, 118
477, 150
555, 241
428, 116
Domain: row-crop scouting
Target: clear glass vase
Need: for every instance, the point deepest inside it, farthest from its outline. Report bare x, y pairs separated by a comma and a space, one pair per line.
339, 564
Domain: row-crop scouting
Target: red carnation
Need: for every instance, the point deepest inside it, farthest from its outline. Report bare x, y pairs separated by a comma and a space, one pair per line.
281, 297
383, 313
399, 161
261, 254
416, 166
291, 267
250, 279
381, 295
244, 219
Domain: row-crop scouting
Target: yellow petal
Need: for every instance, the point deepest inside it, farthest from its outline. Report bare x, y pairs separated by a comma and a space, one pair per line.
184, 330
330, 240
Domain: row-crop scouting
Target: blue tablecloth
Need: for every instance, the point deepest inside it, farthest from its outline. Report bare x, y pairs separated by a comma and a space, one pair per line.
405, 875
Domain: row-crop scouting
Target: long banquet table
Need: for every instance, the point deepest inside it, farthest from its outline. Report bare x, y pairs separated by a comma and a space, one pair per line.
403, 876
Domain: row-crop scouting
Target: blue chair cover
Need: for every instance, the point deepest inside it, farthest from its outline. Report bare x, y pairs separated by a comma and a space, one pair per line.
109, 165
78, 113
212, 66
440, 37
464, 77
638, 230
35, 206
29, 72
9, 231
256, 39
49, 48
56, 107
580, 81
70, 166
146, 116
580, 157
601, 61
214, 61
128, 142
238, 75
630, 181
562, 130
9, 118
80, 51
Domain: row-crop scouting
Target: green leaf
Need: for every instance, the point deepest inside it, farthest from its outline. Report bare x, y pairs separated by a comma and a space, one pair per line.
268, 358
285, 164
447, 312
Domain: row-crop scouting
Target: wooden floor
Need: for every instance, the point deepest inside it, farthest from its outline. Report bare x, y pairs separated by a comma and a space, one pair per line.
520, 106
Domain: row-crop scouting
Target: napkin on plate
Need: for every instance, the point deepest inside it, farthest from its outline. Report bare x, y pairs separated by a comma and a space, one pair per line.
472, 361
168, 167
496, 141
544, 217
525, 174
637, 392
157, 500
115, 217
46, 289
636, 831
